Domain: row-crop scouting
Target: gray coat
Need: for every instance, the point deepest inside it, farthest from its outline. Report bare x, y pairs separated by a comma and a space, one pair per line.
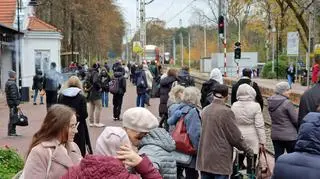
284, 118
158, 145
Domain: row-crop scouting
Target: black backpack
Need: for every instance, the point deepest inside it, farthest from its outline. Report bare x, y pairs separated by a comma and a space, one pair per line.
184, 81
140, 81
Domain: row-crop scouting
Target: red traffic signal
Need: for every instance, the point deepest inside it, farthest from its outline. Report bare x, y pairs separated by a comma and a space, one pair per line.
221, 24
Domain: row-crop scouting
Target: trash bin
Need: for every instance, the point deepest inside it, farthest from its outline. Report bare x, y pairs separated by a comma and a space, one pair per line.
25, 94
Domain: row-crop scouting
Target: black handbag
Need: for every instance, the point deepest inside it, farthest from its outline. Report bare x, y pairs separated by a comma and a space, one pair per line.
21, 119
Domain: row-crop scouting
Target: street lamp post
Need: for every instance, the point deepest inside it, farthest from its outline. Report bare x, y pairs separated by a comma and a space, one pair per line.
181, 42
273, 47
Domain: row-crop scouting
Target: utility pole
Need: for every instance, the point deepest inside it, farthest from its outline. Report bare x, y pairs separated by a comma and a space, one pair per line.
181, 43
189, 48
205, 39
174, 49
219, 14
142, 26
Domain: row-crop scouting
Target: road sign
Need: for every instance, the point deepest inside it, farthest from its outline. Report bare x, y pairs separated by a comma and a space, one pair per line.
293, 43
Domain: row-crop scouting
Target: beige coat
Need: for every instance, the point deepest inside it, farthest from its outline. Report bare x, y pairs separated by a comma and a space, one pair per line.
249, 117
37, 161
218, 137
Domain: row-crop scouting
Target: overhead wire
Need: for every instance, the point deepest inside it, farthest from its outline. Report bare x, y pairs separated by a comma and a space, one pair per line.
180, 11
171, 4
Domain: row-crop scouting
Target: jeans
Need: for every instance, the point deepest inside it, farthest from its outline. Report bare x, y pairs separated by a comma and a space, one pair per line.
105, 99
290, 80
95, 111
280, 146
141, 100
117, 105
205, 175
52, 98
36, 92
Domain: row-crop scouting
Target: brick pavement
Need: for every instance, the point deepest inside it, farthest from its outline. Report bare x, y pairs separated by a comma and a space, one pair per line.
37, 113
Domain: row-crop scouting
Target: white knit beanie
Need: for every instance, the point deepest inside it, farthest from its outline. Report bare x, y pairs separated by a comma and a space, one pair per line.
139, 119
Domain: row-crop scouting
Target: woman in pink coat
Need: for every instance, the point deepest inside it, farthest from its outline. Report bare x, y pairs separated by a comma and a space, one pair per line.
52, 150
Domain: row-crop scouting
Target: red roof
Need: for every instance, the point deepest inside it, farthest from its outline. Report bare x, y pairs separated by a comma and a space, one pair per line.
7, 12
35, 24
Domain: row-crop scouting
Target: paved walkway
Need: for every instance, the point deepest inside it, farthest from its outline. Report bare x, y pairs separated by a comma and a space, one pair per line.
37, 113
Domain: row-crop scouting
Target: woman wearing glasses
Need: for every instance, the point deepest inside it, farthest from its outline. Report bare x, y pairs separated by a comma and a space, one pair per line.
52, 150
72, 96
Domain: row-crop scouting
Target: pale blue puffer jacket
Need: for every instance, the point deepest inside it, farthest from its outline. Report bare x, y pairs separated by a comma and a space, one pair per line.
158, 145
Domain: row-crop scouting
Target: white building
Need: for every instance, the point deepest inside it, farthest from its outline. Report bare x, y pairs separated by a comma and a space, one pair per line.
39, 46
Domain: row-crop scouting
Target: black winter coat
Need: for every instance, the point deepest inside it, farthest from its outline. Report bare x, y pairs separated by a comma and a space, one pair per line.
309, 102
73, 98
122, 82
254, 85
12, 93
141, 90
165, 87
207, 88
37, 82
95, 91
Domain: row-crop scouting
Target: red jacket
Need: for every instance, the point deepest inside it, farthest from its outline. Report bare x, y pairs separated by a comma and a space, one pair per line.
315, 72
103, 167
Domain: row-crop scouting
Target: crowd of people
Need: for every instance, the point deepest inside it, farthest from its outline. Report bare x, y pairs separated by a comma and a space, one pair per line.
196, 134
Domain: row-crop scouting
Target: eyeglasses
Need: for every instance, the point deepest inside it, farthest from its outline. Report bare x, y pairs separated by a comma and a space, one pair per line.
74, 126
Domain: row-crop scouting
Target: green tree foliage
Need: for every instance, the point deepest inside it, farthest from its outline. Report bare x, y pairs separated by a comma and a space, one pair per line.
97, 25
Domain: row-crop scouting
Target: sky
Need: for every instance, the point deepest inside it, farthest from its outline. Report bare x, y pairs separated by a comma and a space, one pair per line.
163, 9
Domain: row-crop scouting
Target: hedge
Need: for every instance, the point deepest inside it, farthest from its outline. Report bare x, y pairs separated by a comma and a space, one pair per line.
10, 163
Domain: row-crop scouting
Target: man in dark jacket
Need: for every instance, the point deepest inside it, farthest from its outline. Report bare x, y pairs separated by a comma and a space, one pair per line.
118, 97
52, 83
13, 101
105, 79
246, 78
184, 77
117, 67
37, 86
305, 161
142, 85
309, 101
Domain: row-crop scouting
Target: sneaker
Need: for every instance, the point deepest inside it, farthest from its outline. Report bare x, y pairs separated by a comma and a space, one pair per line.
99, 125
41, 103
34, 103
91, 124
14, 135
115, 119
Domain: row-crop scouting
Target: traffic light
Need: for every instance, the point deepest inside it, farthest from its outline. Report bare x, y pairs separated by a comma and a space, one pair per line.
221, 24
237, 50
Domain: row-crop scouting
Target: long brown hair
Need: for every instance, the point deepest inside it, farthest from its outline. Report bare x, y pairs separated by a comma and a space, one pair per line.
55, 125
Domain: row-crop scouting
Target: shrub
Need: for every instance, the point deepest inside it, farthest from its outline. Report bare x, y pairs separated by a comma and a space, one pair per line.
271, 75
267, 70
10, 163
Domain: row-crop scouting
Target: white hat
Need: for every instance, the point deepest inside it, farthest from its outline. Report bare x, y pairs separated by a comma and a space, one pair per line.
139, 119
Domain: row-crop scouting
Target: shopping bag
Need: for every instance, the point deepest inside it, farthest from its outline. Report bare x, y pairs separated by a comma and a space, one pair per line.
20, 119
263, 170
